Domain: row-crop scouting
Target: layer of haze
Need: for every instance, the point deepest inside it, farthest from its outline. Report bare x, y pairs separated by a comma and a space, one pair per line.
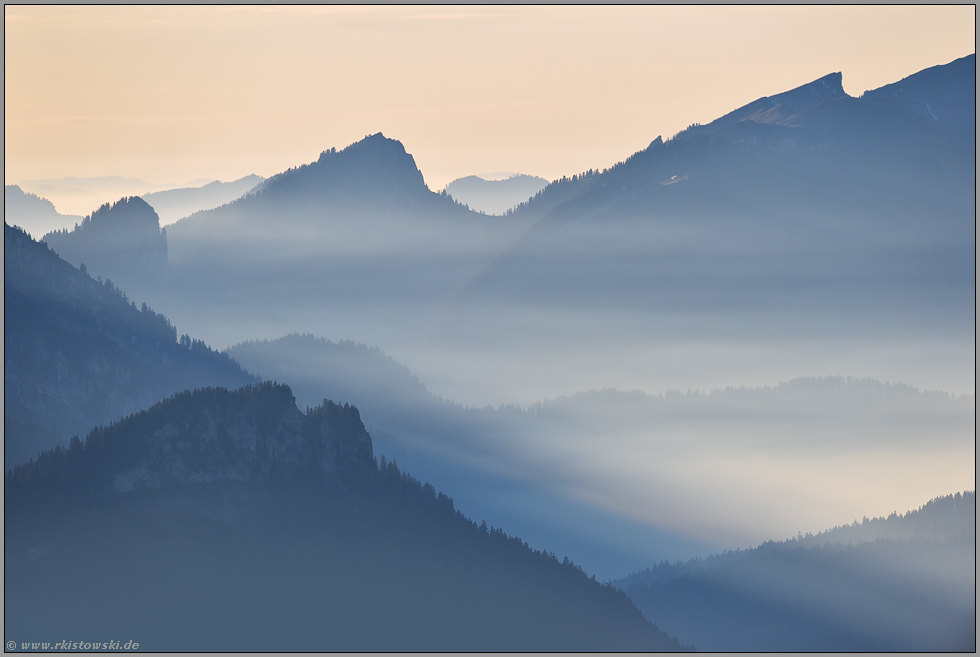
176, 93
179, 93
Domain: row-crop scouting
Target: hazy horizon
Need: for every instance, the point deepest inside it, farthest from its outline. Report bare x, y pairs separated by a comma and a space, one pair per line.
81, 101
729, 298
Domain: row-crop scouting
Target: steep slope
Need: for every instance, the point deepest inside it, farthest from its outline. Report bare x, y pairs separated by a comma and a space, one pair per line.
222, 520
939, 98
343, 194
78, 353
121, 242
173, 204
780, 109
34, 214
808, 204
902, 583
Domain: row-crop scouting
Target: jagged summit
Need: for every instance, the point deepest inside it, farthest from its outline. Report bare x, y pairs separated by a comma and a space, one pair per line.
129, 215
373, 181
377, 141
121, 241
776, 109
375, 165
796, 100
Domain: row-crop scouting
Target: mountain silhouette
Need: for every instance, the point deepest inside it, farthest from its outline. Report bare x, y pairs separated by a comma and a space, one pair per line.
780, 109
79, 354
357, 226
495, 196
902, 583
32, 213
831, 213
80, 195
173, 204
121, 241
806, 204
940, 97
372, 177
231, 520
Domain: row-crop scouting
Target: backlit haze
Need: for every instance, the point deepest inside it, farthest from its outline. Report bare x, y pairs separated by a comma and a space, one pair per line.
590, 331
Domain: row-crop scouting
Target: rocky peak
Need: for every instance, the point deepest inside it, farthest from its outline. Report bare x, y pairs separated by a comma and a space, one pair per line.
252, 434
128, 218
805, 96
122, 242
371, 170
775, 109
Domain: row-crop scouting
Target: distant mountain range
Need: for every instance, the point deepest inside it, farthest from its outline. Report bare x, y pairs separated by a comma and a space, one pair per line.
358, 226
79, 354
34, 214
82, 195
495, 196
174, 204
906, 582
352, 194
809, 211
239, 523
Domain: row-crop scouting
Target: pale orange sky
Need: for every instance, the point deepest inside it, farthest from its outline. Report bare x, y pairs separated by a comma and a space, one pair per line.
171, 94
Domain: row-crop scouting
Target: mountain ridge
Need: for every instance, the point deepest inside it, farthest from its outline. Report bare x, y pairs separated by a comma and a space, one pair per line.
208, 499
121, 241
174, 204
778, 109
495, 197
844, 171
79, 353
898, 583
33, 213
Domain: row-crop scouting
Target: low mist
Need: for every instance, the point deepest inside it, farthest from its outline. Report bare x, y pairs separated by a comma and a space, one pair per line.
730, 467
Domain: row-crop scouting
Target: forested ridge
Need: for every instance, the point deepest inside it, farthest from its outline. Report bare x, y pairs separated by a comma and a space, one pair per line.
79, 353
902, 582
239, 511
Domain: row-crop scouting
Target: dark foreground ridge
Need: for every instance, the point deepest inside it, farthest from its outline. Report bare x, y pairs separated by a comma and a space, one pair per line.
230, 520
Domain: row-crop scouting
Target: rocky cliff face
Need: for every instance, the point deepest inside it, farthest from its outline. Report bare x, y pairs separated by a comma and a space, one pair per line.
212, 435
